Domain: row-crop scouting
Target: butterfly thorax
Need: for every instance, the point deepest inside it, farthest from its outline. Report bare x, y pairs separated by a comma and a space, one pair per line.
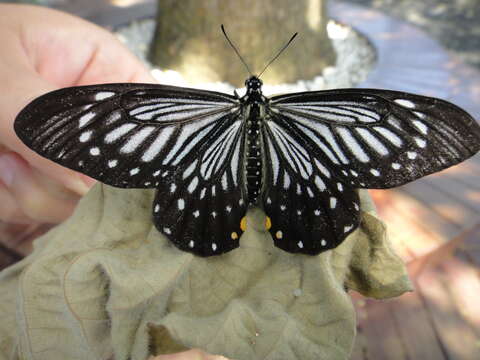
254, 103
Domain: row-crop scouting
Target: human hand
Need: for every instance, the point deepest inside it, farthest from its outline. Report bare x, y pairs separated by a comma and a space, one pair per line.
44, 49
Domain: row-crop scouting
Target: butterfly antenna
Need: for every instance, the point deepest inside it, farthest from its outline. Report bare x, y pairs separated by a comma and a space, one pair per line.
236, 51
278, 54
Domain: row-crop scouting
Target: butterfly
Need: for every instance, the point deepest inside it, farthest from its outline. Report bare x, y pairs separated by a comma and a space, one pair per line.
212, 156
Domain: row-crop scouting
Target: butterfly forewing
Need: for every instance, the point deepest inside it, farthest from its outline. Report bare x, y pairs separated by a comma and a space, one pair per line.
125, 135
378, 138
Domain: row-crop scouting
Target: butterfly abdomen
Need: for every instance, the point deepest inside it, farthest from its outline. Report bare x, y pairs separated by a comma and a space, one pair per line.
254, 164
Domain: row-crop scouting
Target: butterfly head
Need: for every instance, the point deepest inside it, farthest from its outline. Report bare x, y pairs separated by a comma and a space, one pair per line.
253, 84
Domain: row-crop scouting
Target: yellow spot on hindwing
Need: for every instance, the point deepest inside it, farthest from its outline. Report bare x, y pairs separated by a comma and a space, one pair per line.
243, 224
268, 223
279, 234
234, 236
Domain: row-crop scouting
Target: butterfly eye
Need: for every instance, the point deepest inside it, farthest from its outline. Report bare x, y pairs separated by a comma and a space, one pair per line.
253, 83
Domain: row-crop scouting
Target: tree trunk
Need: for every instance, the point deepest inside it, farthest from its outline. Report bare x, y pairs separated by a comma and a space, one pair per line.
188, 39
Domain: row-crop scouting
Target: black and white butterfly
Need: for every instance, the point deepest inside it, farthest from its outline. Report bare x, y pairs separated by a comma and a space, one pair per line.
211, 156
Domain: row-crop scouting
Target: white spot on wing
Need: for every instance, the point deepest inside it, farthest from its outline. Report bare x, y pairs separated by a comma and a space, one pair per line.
189, 170
84, 119
310, 192
136, 139
181, 204
420, 125
94, 151
157, 145
375, 172
353, 145
372, 141
322, 169
420, 142
274, 161
320, 184
405, 103
85, 136
112, 163
193, 185
333, 202
396, 166
134, 171
390, 136
118, 132
286, 181
224, 181
103, 95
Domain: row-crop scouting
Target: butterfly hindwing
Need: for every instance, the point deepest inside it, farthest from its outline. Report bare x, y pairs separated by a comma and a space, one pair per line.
309, 207
125, 135
202, 208
378, 138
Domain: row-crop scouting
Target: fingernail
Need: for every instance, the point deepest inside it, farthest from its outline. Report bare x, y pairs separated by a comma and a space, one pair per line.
7, 169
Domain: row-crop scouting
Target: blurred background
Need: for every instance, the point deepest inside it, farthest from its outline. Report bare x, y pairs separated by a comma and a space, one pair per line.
430, 47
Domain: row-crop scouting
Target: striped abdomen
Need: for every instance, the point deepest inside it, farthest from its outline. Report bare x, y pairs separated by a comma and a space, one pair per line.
253, 155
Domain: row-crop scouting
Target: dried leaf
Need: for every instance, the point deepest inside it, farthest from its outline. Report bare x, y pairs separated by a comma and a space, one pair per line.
106, 283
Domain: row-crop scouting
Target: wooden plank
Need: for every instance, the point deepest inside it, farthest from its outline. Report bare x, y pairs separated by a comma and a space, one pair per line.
381, 332
470, 248
415, 329
409, 221
360, 346
463, 283
457, 338
463, 194
442, 203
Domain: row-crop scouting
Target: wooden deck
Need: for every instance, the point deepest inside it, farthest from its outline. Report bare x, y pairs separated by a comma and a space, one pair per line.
435, 226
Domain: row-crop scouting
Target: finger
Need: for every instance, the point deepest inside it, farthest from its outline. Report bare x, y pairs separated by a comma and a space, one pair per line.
82, 53
9, 210
193, 354
24, 87
35, 196
113, 62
